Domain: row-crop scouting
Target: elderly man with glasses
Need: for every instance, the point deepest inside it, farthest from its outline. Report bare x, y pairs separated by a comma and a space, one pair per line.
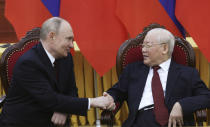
158, 91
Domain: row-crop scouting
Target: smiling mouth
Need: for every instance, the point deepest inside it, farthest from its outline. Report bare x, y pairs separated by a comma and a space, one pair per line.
145, 56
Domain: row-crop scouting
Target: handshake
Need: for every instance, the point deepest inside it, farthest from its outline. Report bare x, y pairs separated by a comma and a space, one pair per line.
104, 102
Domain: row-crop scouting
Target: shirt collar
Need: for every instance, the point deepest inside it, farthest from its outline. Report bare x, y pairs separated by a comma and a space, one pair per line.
52, 59
165, 65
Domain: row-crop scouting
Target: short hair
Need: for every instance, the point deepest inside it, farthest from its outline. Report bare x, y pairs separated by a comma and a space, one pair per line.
164, 36
51, 25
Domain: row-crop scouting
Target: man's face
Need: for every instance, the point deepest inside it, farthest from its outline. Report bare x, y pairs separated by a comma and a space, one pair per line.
152, 51
63, 40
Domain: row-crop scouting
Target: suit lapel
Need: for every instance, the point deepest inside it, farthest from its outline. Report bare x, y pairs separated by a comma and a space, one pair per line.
172, 77
143, 73
46, 62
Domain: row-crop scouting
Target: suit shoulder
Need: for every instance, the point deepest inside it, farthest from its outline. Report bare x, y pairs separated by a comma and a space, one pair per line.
135, 65
29, 55
186, 68
29, 58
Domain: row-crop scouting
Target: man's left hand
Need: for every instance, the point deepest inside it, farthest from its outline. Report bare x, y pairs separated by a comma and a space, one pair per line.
176, 116
59, 118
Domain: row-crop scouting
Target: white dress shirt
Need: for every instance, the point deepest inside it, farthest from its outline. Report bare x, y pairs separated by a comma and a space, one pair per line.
147, 98
52, 59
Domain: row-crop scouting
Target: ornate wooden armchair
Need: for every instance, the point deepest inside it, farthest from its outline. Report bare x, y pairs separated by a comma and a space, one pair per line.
11, 55
130, 51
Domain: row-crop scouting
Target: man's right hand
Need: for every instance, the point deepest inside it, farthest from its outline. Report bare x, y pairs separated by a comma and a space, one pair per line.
103, 102
112, 106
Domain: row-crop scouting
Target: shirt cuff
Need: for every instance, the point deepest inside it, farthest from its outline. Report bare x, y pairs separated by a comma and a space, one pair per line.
88, 103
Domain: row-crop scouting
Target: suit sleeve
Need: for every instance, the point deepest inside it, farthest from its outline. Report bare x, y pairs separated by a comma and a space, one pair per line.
119, 90
200, 95
33, 80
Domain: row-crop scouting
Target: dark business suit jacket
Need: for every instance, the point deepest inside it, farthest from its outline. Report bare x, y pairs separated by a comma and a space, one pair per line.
183, 85
35, 93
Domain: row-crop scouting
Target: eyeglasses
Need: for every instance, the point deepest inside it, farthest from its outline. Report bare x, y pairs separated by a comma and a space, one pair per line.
147, 46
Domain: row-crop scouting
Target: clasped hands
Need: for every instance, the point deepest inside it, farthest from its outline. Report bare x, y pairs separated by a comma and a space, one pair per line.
107, 102
104, 102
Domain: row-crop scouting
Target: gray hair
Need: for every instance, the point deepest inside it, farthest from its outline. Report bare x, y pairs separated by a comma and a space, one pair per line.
164, 36
51, 25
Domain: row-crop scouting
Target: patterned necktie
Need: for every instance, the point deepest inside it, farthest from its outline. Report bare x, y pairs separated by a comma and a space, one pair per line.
160, 109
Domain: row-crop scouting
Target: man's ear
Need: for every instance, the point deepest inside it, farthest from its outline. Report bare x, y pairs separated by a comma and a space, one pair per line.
165, 48
51, 35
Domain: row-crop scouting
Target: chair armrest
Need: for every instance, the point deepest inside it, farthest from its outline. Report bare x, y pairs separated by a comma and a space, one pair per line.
2, 100
107, 117
201, 116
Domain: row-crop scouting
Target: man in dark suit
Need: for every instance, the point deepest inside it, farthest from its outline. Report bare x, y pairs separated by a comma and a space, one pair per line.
158, 91
42, 93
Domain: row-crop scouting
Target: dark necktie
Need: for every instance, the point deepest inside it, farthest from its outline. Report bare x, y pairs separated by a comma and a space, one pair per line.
160, 110
56, 68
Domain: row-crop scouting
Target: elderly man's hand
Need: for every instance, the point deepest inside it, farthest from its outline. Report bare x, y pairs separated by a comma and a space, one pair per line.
59, 118
176, 116
111, 106
103, 102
